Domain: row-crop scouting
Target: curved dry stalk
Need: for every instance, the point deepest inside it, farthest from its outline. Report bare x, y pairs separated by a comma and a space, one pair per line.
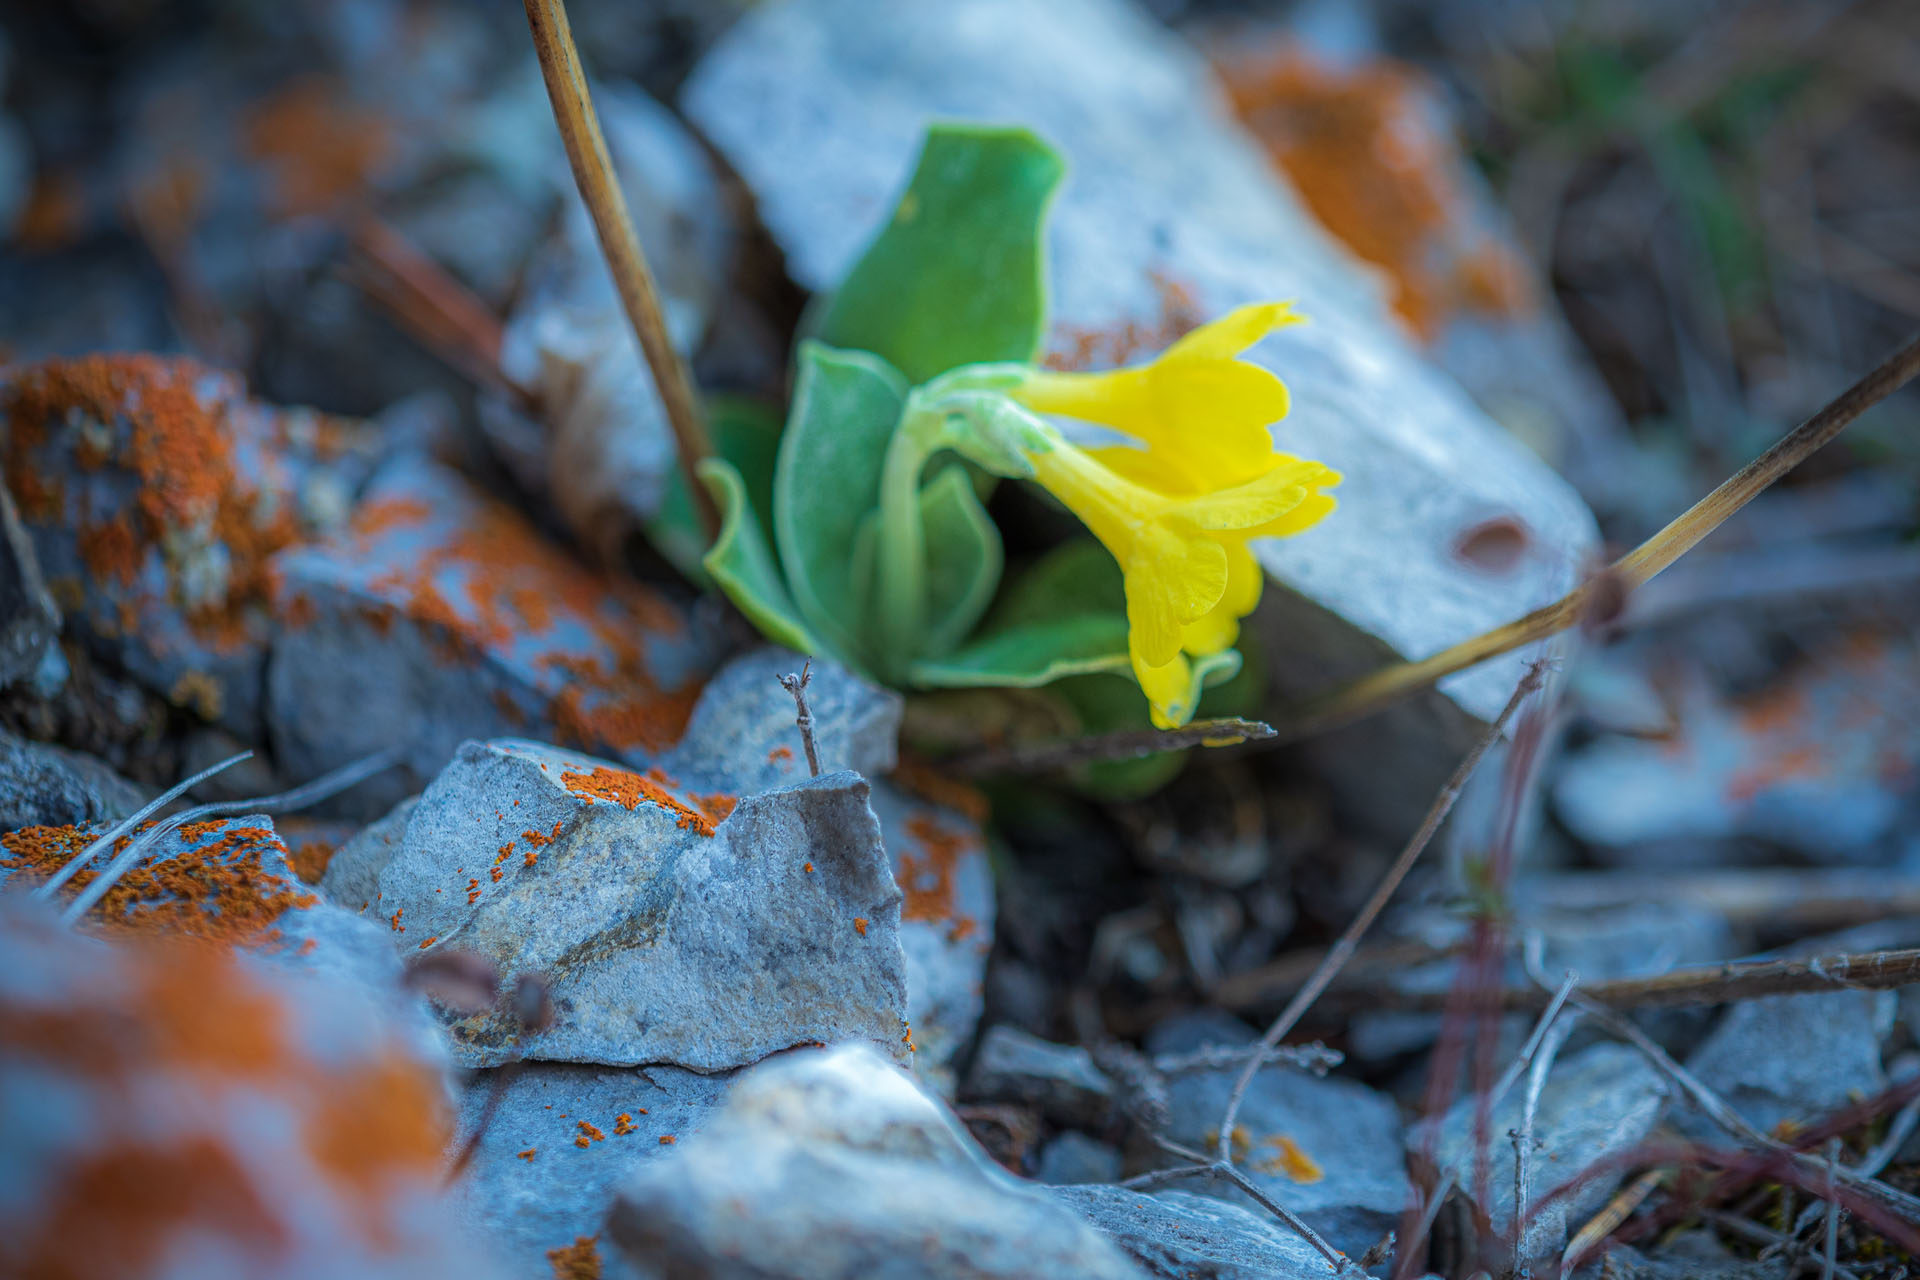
99, 843
613, 224
1389, 685
1344, 948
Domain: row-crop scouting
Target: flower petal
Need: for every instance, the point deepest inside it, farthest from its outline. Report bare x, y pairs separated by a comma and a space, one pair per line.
1233, 332
1309, 513
1169, 688
1171, 581
1218, 628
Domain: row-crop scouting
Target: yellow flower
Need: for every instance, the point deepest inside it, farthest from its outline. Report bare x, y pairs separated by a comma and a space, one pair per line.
1190, 576
1201, 414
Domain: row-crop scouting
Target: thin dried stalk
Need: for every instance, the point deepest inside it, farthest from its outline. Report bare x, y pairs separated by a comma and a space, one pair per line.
1385, 687
1344, 948
1124, 744
613, 224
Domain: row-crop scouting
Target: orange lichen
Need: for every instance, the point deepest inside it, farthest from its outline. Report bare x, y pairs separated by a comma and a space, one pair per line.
310, 859
666, 1139
778, 754
938, 789
623, 1124
577, 1261
860, 925
1075, 348
377, 515
430, 941
1289, 1160
220, 890
719, 806
807, 867
927, 879
629, 789
385, 1121
395, 921
321, 150
1360, 146
528, 1154
170, 425
589, 1134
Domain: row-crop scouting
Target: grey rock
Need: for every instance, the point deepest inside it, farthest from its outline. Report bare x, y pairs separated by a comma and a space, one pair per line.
155, 543
820, 106
1073, 1159
742, 740
42, 785
1597, 1103
457, 620
1180, 1236
352, 877
1327, 1149
525, 1205
1791, 1058
835, 1164
663, 936
28, 619
1060, 1081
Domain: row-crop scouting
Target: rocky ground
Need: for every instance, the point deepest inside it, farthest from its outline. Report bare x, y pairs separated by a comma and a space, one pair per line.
325, 440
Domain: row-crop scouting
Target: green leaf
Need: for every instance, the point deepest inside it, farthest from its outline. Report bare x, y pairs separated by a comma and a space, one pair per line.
964, 558
1065, 616
746, 434
826, 480
741, 564
958, 275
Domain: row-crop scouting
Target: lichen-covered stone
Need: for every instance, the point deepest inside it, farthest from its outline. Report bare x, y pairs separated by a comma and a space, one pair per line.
671, 926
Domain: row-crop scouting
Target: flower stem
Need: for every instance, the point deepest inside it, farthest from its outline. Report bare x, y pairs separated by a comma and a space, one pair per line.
901, 556
593, 171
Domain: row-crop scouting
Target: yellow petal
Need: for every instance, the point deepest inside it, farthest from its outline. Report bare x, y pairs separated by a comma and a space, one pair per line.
1233, 332
1114, 397
1169, 690
1310, 512
1171, 581
1218, 628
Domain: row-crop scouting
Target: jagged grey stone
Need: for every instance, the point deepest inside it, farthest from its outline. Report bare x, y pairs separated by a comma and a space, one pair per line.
1791, 1058
352, 877
1178, 1235
42, 785
1597, 1103
742, 739
530, 1186
820, 106
835, 1164
659, 942
1060, 1081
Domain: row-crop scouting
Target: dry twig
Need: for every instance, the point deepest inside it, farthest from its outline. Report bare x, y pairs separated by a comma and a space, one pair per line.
613, 224
797, 686
1125, 744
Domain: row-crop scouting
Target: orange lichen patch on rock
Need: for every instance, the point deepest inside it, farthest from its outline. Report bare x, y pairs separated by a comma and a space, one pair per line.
1361, 148
1076, 349
110, 549
666, 1139
322, 150
167, 422
589, 1133
937, 788
620, 787
376, 516
310, 859
429, 942
807, 867
217, 888
385, 1121
123, 1209
623, 1124
927, 878
528, 1154
1795, 763
778, 754
577, 1261
860, 925
719, 806
1290, 1160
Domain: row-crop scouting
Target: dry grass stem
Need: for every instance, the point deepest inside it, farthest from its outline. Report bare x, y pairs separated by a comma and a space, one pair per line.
105, 840
797, 686
1343, 949
600, 189
1126, 744
1383, 688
